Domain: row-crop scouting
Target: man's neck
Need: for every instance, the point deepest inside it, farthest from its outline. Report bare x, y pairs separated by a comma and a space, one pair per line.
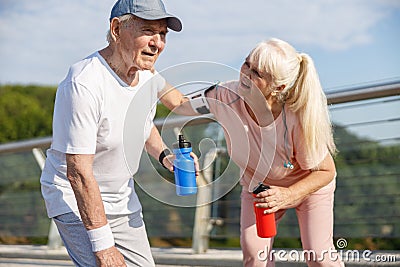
128, 75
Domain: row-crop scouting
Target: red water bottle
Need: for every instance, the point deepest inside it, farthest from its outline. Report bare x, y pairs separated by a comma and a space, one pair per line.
265, 222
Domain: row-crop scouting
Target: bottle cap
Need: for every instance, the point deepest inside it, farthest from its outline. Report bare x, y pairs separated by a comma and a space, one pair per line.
260, 188
182, 143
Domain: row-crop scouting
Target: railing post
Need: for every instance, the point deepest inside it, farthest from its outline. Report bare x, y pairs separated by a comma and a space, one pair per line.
201, 218
203, 222
54, 239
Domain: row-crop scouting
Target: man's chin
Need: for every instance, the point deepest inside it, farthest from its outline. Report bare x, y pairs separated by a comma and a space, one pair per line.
147, 63
147, 66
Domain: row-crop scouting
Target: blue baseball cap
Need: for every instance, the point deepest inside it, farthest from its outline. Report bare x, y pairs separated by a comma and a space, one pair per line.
146, 9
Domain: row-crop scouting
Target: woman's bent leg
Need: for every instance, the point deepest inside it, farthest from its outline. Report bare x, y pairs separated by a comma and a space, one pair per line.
315, 216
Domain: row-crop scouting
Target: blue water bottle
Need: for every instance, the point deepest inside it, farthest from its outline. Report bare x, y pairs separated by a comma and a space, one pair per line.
184, 170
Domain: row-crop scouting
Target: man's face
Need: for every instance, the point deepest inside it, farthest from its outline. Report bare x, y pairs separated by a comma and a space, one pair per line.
141, 42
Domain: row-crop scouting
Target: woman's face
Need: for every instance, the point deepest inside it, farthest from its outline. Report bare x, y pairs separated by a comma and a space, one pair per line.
253, 82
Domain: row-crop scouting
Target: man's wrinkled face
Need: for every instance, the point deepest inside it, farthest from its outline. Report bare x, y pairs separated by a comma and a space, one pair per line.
141, 42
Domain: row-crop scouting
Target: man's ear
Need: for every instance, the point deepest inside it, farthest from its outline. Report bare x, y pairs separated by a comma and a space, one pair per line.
115, 27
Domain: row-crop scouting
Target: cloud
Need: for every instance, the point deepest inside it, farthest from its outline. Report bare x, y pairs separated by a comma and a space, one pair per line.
328, 24
225, 31
40, 39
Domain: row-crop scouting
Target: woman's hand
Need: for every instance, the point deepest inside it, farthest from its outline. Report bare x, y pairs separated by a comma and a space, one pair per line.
278, 197
275, 198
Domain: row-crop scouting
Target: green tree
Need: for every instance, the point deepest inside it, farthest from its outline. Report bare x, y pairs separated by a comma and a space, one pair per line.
25, 112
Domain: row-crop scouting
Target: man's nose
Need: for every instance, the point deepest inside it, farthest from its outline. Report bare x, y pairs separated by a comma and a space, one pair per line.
157, 41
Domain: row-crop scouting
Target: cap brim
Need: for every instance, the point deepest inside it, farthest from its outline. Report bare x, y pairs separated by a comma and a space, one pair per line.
172, 22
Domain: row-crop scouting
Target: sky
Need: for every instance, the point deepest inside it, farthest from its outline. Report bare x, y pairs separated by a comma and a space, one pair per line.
352, 42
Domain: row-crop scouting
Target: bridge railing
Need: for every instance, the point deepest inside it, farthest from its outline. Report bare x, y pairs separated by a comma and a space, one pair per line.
367, 132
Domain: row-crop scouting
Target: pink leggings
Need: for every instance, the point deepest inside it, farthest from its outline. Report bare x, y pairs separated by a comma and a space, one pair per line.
315, 217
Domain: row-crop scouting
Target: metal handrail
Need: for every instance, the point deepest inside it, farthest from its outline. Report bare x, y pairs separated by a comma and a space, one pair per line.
24, 145
364, 92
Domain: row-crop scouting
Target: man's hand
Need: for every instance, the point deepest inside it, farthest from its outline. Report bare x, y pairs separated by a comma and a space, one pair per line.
196, 163
109, 258
168, 162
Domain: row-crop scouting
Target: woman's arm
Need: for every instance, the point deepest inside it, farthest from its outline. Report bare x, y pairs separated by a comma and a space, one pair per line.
175, 101
278, 198
191, 105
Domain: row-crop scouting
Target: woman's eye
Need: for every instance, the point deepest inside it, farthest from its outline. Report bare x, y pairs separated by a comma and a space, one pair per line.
256, 73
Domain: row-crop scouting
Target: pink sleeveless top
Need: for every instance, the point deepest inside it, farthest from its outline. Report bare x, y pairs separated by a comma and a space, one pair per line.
261, 152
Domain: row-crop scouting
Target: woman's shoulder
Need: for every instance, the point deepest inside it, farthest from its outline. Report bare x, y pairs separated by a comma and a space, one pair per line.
226, 91
231, 85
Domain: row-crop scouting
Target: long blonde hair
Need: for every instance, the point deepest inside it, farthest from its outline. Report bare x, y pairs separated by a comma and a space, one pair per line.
302, 94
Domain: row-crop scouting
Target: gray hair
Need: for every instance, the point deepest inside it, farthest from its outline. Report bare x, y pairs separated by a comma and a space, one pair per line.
122, 19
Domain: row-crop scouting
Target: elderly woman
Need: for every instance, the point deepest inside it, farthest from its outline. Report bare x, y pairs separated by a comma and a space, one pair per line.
278, 132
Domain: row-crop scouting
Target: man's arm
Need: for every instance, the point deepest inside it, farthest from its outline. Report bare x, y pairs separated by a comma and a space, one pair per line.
91, 208
155, 145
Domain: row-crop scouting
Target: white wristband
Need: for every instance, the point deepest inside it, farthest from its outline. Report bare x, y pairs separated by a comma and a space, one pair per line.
198, 101
101, 238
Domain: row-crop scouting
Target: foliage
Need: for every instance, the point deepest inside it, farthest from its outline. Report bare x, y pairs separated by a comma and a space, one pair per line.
162, 111
25, 112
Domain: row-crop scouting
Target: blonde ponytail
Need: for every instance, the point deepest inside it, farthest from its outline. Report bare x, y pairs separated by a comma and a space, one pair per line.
308, 99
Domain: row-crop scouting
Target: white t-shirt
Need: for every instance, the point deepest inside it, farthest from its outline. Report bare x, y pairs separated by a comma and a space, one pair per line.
89, 118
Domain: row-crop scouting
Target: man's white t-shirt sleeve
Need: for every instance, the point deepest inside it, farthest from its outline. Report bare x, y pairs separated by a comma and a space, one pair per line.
75, 120
159, 81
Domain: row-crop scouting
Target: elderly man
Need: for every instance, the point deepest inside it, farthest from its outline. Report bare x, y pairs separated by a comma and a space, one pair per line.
87, 186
